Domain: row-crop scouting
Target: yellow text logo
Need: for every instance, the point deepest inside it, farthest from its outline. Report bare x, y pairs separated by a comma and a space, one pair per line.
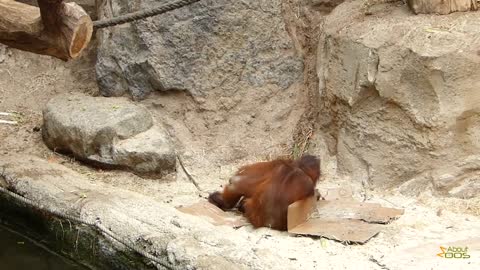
454, 253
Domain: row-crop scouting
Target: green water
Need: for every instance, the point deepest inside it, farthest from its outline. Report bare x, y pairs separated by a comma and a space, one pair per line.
19, 253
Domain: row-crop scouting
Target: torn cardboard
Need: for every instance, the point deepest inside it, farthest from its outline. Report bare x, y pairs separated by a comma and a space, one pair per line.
304, 218
343, 230
342, 220
339, 218
214, 215
369, 212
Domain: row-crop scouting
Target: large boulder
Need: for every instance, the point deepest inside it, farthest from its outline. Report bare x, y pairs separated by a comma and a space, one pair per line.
400, 97
108, 132
211, 46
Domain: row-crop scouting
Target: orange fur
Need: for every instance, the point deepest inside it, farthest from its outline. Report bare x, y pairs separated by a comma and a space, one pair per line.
268, 188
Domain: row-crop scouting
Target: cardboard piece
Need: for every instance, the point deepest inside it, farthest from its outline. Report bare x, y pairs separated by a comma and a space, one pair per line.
369, 212
299, 212
344, 230
342, 220
339, 218
214, 215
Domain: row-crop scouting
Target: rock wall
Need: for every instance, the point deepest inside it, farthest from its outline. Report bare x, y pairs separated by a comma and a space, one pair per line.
400, 97
388, 99
214, 46
224, 76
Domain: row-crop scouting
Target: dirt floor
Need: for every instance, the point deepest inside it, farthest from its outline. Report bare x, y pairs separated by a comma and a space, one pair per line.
28, 81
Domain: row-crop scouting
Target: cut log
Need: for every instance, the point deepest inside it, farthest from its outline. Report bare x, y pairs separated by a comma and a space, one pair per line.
57, 29
441, 7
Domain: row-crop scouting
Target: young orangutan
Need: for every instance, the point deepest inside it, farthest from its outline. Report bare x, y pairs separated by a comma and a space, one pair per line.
268, 188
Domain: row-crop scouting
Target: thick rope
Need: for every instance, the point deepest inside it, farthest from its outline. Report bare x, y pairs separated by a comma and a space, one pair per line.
97, 224
143, 14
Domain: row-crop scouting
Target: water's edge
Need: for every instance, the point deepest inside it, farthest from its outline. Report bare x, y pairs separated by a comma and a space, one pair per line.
20, 252
78, 242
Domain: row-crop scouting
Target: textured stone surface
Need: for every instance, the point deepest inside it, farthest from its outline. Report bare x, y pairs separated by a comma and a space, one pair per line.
233, 77
108, 132
191, 242
400, 96
211, 46
147, 152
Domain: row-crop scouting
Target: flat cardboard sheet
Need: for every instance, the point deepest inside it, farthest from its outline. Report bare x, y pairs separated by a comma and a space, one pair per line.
342, 220
339, 218
369, 212
344, 230
214, 215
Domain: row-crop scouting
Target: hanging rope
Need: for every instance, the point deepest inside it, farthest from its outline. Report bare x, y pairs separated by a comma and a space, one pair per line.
142, 14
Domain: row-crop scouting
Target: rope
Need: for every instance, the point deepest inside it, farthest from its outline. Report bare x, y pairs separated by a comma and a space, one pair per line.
189, 176
142, 14
97, 224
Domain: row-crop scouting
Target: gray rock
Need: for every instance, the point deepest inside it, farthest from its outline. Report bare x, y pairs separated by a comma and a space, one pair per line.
139, 220
147, 152
212, 45
107, 132
400, 94
460, 179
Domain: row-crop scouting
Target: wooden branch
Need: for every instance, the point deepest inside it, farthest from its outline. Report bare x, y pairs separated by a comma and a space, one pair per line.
49, 10
57, 29
441, 7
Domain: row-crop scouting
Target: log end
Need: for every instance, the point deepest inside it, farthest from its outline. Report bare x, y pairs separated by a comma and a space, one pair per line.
77, 29
81, 37
61, 30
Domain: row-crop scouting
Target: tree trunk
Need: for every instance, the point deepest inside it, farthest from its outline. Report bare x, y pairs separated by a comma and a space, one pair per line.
57, 29
441, 6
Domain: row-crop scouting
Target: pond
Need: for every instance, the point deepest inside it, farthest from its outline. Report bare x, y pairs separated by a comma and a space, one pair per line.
18, 253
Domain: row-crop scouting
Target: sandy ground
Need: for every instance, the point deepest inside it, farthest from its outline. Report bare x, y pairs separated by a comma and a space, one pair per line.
28, 81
